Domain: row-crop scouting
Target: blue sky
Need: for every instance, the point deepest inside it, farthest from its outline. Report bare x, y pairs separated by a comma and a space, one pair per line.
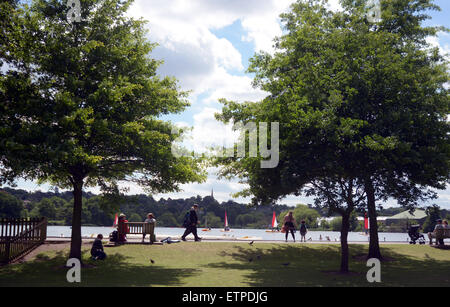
206, 45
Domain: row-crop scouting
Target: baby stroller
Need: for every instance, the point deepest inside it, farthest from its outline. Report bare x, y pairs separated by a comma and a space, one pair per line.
114, 236
414, 234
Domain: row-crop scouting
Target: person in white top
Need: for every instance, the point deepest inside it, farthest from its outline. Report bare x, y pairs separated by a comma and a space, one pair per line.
445, 224
150, 219
439, 225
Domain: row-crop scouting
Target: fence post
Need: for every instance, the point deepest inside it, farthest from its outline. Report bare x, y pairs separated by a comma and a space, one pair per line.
44, 232
7, 249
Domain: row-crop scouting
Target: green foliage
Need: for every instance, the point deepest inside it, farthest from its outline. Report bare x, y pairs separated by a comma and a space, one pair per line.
10, 206
336, 224
324, 225
302, 212
134, 217
355, 101
167, 219
95, 106
213, 220
433, 213
245, 219
362, 109
81, 103
46, 208
168, 212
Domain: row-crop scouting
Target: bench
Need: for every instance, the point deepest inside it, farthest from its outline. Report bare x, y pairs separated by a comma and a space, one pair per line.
141, 228
439, 234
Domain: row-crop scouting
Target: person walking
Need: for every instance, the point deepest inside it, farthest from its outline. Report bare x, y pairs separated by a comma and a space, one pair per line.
289, 225
190, 223
303, 231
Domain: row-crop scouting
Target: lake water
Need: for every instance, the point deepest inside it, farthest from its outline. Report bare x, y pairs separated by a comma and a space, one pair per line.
258, 234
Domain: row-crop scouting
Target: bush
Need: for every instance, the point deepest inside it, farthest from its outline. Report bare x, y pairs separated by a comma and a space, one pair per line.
10, 206
135, 218
302, 212
433, 213
336, 223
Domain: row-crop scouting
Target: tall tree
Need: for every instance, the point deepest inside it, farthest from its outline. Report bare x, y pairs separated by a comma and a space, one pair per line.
357, 102
81, 103
401, 87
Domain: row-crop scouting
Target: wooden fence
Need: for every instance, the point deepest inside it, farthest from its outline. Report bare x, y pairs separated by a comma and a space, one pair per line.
20, 236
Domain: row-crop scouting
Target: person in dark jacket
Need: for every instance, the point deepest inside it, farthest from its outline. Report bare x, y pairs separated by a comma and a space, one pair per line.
97, 252
191, 225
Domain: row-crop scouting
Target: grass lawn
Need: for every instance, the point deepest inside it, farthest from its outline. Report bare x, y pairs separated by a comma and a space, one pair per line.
235, 264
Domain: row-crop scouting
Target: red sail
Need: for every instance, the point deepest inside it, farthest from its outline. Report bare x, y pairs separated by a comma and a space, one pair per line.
116, 220
274, 221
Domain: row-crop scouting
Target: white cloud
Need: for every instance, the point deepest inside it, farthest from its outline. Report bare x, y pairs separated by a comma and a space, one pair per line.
435, 41
198, 58
208, 132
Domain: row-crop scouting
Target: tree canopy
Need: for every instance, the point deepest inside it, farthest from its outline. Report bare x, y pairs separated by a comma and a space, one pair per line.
358, 102
81, 103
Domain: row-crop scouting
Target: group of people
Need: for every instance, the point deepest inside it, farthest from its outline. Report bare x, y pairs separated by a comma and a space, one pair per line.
97, 251
289, 226
440, 224
123, 229
190, 223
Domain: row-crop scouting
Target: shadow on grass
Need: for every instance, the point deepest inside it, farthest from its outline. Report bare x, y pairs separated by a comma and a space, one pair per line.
115, 270
303, 265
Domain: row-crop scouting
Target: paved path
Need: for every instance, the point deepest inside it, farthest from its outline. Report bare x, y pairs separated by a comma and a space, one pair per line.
137, 240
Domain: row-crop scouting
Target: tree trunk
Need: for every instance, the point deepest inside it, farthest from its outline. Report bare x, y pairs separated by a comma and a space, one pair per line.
344, 243
75, 244
374, 246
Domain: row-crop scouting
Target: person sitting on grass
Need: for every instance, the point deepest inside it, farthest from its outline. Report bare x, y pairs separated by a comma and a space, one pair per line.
97, 252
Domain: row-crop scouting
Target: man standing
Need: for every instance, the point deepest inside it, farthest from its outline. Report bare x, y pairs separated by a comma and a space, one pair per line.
191, 224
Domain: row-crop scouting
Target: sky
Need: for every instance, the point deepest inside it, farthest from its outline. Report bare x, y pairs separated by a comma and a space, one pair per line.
206, 45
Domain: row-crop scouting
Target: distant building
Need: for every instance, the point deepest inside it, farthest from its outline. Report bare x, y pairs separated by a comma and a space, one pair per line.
418, 216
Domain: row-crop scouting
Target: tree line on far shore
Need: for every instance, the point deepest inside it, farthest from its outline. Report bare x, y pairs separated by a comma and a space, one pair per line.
57, 207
